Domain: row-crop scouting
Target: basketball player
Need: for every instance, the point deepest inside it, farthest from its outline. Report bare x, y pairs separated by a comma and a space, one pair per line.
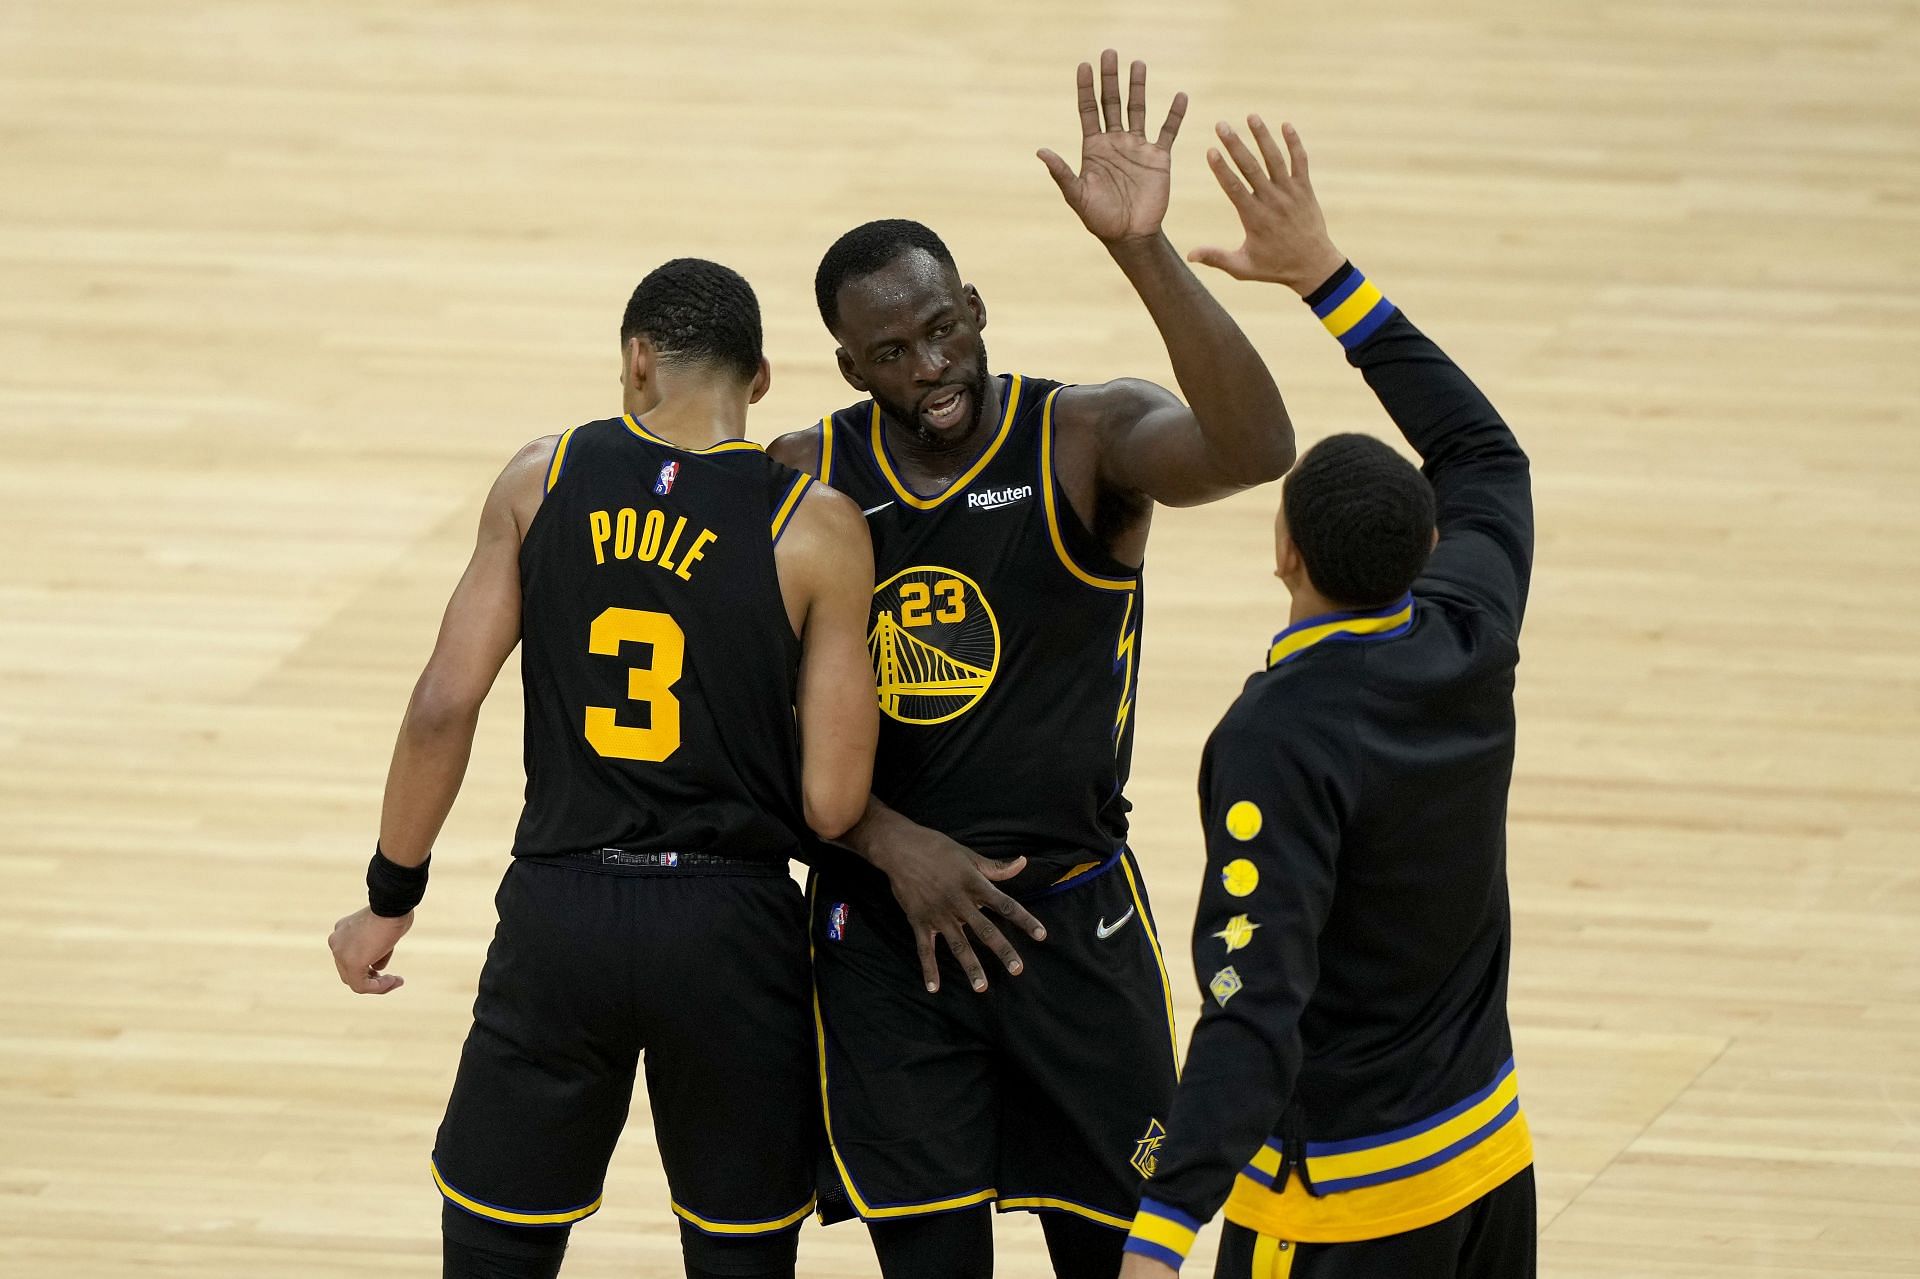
1349, 1092
1010, 518
678, 596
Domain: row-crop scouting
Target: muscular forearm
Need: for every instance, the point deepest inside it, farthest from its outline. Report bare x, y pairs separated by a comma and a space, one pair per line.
1225, 382
429, 763
876, 833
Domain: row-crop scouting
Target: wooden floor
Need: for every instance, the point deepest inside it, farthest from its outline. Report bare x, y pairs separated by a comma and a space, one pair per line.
283, 283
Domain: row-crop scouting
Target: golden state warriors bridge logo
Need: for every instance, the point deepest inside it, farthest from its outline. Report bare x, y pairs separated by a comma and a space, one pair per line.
934, 642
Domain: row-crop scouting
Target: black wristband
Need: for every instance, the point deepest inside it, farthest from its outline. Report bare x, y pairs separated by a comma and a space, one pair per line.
392, 889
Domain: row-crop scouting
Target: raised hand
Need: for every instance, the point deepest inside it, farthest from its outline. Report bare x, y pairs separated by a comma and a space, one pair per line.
1121, 190
1287, 241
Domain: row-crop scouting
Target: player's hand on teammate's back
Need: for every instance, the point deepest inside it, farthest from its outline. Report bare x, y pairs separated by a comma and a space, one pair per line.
362, 946
1122, 188
944, 887
1287, 241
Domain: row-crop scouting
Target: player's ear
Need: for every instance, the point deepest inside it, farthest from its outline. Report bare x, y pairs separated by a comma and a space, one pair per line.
847, 370
762, 379
974, 304
639, 363
1286, 556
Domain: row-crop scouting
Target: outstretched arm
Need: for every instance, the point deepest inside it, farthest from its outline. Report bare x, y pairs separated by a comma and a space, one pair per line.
1483, 497
479, 630
1237, 433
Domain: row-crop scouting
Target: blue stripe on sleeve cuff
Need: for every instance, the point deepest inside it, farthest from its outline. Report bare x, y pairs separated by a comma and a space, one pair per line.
1166, 1256
1162, 1232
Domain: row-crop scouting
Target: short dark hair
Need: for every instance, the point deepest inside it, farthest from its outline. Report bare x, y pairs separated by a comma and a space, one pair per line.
864, 250
1362, 518
695, 310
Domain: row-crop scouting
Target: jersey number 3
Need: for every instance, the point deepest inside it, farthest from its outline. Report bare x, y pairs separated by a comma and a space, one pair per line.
651, 684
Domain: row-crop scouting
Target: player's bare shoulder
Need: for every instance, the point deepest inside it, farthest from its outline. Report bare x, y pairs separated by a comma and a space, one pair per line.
825, 553
1100, 408
523, 482
799, 449
827, 523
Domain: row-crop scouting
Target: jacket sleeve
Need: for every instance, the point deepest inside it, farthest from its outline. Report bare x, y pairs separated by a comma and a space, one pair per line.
1483, 495
1272, 816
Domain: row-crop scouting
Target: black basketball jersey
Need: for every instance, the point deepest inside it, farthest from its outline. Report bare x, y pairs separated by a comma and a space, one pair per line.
656, 653
1005, 643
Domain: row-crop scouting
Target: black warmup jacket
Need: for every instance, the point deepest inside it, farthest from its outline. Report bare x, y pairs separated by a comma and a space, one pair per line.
1352, 1073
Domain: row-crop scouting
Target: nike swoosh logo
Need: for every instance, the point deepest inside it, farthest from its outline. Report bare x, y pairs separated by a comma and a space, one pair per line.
873, 510
1104, 930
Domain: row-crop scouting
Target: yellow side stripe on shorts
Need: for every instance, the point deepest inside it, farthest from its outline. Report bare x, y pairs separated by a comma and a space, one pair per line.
512, 1218
742, 1227
1067, 1205
1272, 1258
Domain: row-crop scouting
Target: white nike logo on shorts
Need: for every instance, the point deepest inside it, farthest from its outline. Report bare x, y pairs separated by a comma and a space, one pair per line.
1103, 930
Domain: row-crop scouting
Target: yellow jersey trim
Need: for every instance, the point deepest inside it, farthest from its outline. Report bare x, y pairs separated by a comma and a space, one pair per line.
826, 449
1095, 580
1390, 1208
1159, 959
1035, 1203
742, 1227
972, 472
559, 457
1296, 640
508, 1216
801, 483
724, 446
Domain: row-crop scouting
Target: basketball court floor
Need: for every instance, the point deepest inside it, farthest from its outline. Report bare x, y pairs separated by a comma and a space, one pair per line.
284, 283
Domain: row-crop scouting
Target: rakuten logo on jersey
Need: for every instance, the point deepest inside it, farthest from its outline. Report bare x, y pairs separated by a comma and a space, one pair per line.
994, 499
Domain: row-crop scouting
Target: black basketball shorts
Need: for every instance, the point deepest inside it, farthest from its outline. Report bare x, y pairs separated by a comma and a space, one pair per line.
702, 970
1049, 1092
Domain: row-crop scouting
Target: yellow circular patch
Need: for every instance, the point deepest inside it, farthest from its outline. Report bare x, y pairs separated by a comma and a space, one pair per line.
1240, 877
1244, 820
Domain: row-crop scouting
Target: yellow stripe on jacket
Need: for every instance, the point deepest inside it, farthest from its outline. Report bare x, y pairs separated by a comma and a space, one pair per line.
1389, 1208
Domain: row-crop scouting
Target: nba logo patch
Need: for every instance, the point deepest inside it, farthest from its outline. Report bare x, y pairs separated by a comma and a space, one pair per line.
668, 474
837, 922
669, 859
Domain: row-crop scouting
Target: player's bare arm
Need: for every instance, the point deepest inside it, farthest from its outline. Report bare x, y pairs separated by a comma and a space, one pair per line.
478, 632
1127, 444
825, 561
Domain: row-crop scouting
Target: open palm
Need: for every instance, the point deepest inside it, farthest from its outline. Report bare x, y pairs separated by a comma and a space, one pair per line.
1121, 190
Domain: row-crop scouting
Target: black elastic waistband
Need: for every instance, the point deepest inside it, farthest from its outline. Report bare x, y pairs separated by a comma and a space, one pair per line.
618, 861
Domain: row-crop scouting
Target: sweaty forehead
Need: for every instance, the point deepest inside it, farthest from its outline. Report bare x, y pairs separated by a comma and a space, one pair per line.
903, 292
